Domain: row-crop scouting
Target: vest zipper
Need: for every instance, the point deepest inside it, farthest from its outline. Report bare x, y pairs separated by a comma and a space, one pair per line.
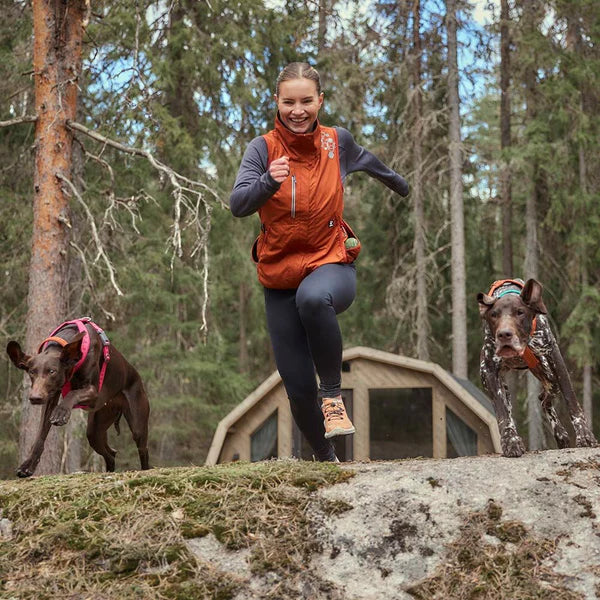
293, 196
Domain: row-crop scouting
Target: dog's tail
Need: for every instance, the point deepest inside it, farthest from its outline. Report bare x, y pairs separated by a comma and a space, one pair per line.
117, 422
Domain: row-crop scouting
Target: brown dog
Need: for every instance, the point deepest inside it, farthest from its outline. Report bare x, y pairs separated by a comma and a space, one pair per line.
518, 336
76, 367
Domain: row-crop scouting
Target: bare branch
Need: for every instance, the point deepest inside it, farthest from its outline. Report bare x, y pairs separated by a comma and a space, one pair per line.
203, 245
100, 138
84, 264
113, 201
401, 291
189, 203
17, 92
109, 315
19, 120
129, 204
88, 14
97, 240
6, 319
153, 161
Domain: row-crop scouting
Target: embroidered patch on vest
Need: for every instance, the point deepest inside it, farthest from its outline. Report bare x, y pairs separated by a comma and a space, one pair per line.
328, 144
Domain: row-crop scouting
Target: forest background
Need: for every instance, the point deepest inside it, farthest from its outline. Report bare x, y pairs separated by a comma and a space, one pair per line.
167, 271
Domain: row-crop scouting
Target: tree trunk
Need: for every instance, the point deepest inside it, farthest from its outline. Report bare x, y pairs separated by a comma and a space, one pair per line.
511, 377
179, 94
73, 438
322, 32
587, 394
422, 324
587, 367
574, 45
457, 228
244, 291
505, 141
536, 433
58, 32
323, 8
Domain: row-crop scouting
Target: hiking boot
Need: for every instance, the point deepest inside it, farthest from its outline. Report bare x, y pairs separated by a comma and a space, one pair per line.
336, 420
335, 459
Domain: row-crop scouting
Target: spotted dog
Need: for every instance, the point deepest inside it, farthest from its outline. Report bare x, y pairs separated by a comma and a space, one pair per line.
517, 335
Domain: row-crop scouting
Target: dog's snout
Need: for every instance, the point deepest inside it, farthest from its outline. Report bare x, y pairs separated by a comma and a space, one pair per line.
35, 399
504, 335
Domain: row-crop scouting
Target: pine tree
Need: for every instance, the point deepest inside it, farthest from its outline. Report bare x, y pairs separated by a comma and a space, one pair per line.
58, 36
459, 309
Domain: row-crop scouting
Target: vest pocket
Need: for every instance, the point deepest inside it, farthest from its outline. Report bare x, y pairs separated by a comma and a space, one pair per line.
352, 245
259, 244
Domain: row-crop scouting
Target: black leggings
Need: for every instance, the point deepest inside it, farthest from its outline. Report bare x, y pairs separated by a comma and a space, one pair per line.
306, 336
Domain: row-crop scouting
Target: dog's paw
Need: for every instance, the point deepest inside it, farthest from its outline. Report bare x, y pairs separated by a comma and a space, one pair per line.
24, 470
60, 416
512, 445
584, 437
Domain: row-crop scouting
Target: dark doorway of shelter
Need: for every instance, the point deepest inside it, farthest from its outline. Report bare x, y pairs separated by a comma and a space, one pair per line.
400, 423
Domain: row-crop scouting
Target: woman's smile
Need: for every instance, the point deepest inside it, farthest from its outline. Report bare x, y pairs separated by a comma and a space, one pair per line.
299, 104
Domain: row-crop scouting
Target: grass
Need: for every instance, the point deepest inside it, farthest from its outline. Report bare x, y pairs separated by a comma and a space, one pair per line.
123, 535
494, 559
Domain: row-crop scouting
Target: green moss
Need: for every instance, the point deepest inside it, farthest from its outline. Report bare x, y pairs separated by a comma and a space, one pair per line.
508, 531
191, 529
336, 507
193, 590
586, 505
124, 564
123, 535
511, 569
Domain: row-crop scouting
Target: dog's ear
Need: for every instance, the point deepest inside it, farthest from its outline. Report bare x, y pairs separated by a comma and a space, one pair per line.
71, 353
485, 302
532, 296
18, 357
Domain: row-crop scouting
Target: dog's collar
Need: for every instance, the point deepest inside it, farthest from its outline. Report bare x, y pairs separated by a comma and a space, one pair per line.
530, 359
504, 292
52, 338
496, 290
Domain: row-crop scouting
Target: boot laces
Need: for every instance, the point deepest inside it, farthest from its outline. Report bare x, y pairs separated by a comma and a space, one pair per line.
334, 411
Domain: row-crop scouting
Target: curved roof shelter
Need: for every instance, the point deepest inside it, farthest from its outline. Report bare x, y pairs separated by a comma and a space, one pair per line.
401, 407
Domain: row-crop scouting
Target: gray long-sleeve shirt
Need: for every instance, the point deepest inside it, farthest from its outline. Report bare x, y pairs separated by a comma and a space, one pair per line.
254, 184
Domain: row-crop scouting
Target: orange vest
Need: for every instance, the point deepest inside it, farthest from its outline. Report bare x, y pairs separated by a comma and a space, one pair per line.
301, 224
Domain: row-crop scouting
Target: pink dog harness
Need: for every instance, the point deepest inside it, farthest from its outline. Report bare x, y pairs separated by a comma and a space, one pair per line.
85, 348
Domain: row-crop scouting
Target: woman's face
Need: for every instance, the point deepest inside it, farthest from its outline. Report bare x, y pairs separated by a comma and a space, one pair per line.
299, 104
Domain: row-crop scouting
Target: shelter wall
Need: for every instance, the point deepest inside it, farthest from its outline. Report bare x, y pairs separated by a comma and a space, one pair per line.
237, 441
365, 374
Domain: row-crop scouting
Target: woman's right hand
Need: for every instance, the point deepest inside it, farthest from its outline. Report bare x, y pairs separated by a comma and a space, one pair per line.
279, 169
